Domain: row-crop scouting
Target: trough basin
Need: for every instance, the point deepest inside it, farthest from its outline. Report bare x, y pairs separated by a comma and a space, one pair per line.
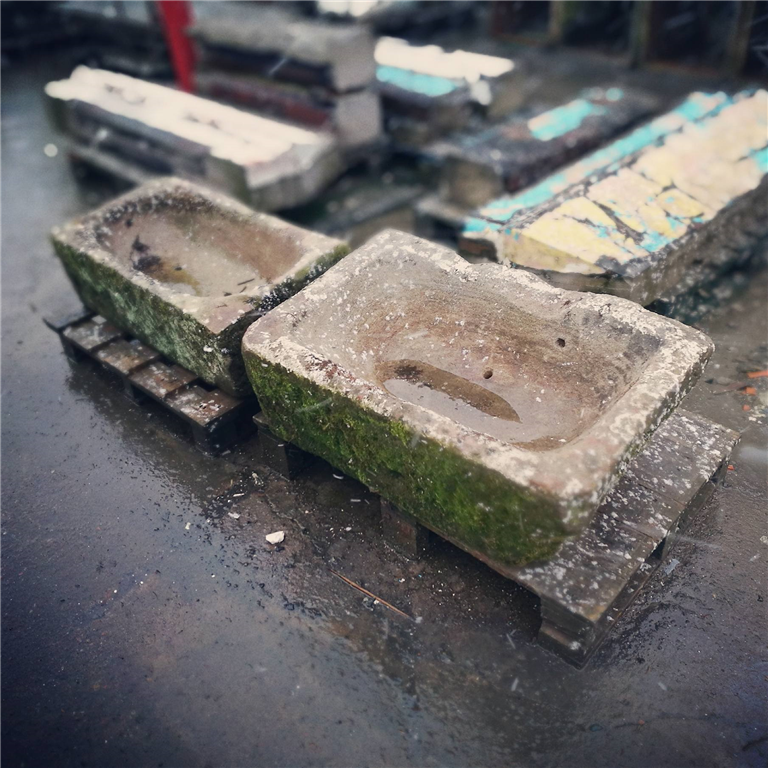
186, 270
496, 409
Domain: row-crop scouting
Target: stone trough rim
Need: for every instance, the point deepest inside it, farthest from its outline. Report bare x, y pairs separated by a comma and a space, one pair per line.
80, 235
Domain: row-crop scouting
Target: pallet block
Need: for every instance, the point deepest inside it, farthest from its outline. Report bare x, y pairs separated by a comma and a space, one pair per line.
216, 420
284, 458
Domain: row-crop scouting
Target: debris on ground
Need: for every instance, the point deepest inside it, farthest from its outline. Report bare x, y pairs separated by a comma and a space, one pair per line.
375, 598
673, 563
275, 538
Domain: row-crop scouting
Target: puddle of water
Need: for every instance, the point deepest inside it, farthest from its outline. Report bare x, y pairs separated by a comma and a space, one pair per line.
181, 259
530, 421
201, 252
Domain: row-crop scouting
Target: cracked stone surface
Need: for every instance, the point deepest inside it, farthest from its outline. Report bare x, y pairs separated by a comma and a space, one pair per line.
684, 193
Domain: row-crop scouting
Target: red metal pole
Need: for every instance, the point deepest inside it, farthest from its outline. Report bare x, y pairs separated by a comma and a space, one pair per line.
176, 16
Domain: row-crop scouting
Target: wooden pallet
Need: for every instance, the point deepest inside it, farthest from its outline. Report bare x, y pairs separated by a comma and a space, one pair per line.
592, 579
216, 420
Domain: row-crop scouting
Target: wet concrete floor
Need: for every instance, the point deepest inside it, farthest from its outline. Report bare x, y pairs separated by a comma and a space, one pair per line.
144, 624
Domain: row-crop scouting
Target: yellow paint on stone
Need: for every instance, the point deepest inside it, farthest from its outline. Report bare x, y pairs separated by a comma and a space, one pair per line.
694, 174
531, 252
578, 231
676, 203
631, 197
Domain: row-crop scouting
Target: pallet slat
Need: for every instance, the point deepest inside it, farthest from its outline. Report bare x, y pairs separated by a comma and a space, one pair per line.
90, 335
216, 419
125, 357
202, 407
160, 380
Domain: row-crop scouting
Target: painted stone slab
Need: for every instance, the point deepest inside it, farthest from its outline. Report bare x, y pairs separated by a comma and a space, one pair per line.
419, 108
354, 117
636, 217
284, 46
478, 166
187, 270
494, 83
427, 91
489, 405
267, 163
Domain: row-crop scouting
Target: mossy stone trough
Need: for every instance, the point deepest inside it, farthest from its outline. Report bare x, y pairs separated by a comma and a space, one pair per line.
186, 270
496, 409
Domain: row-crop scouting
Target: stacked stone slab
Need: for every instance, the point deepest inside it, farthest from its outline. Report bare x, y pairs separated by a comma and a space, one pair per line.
428, 92
309, 71
418, 18
494, 408
186, 270
477, 166
667, 207
267, 163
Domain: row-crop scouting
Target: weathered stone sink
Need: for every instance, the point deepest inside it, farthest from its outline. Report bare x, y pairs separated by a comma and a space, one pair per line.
187, 270
496, 409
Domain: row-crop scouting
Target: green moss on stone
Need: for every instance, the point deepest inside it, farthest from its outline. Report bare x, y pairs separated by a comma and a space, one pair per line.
474, 506
170, 330
294, 284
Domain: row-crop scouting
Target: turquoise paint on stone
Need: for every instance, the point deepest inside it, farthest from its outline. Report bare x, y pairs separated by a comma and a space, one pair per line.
654, 241
609, 158
761, 158
562, 120
474, 224
426, 85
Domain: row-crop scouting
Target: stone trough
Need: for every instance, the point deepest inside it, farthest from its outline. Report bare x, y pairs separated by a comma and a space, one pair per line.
187, 270
497, 410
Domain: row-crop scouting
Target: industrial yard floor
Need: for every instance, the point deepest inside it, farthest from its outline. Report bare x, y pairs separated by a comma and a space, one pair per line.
145, 625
